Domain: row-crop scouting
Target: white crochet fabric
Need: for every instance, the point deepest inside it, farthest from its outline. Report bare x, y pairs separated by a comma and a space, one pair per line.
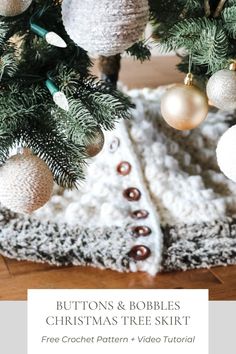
175, 172
168, 178
180, 171
100, 201
184, 179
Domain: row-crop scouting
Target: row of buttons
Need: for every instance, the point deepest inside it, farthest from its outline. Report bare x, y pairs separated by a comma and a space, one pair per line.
139, 252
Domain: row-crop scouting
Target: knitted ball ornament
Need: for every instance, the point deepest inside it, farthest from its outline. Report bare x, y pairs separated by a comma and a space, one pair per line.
105, 27
9, 8
26, 183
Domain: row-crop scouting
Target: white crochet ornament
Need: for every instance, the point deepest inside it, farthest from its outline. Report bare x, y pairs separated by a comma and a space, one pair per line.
105, 27
9, 8
26, 183
226, 153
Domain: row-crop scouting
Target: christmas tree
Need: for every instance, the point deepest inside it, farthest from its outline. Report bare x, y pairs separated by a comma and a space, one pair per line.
202, 32
55, 111
49, 102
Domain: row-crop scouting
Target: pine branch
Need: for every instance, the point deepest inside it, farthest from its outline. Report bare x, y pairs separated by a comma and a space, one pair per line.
96, 95
4, 28
211, 49
185, 34
229, 16
29, 116
30, 124
167, 9
77, 123
19, 105
190, 8
94, 103
8, 65
7, 141
63, 158
140, 51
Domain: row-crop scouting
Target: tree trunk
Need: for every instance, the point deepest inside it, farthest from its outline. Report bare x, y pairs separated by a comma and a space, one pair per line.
110, 68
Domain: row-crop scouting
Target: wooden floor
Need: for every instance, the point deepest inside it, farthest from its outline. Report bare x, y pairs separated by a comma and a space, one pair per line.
17, 277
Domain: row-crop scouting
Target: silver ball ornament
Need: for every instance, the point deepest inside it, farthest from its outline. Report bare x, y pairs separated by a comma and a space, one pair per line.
10, 8
26, 183
105, 27
221, 89
184, 107
226, 153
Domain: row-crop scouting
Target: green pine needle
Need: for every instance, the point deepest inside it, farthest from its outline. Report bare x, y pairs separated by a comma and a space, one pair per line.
183, 26
229, 18
140, 51
29, 116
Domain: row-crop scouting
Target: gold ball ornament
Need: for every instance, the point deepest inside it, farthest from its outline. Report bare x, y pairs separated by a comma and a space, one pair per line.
221, 89
26, 183
10, 8
95, 144
184, 106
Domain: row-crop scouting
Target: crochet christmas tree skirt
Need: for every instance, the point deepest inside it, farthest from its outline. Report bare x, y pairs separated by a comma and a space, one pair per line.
154, 200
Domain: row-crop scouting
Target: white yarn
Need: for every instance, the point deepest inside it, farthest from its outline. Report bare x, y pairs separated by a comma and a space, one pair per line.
26, 183
105, 27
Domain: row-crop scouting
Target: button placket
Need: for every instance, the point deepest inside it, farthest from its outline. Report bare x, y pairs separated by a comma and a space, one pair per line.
133, 194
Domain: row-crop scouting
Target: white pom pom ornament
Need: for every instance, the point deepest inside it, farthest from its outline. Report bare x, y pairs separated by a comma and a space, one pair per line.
26, 183
9, 8
105, 27
226, 153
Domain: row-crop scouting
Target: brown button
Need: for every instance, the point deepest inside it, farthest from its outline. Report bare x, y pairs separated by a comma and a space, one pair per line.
132, 194
139, 253
114, 144
141, 231
124, 168
139, 214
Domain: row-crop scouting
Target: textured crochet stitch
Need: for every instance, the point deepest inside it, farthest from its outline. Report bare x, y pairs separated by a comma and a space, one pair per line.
190, 206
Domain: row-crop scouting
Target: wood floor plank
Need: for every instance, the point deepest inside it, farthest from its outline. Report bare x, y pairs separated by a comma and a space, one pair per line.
23, 267
223, 292
156, 72
201, 278
16, 287
227, 274
4, 272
